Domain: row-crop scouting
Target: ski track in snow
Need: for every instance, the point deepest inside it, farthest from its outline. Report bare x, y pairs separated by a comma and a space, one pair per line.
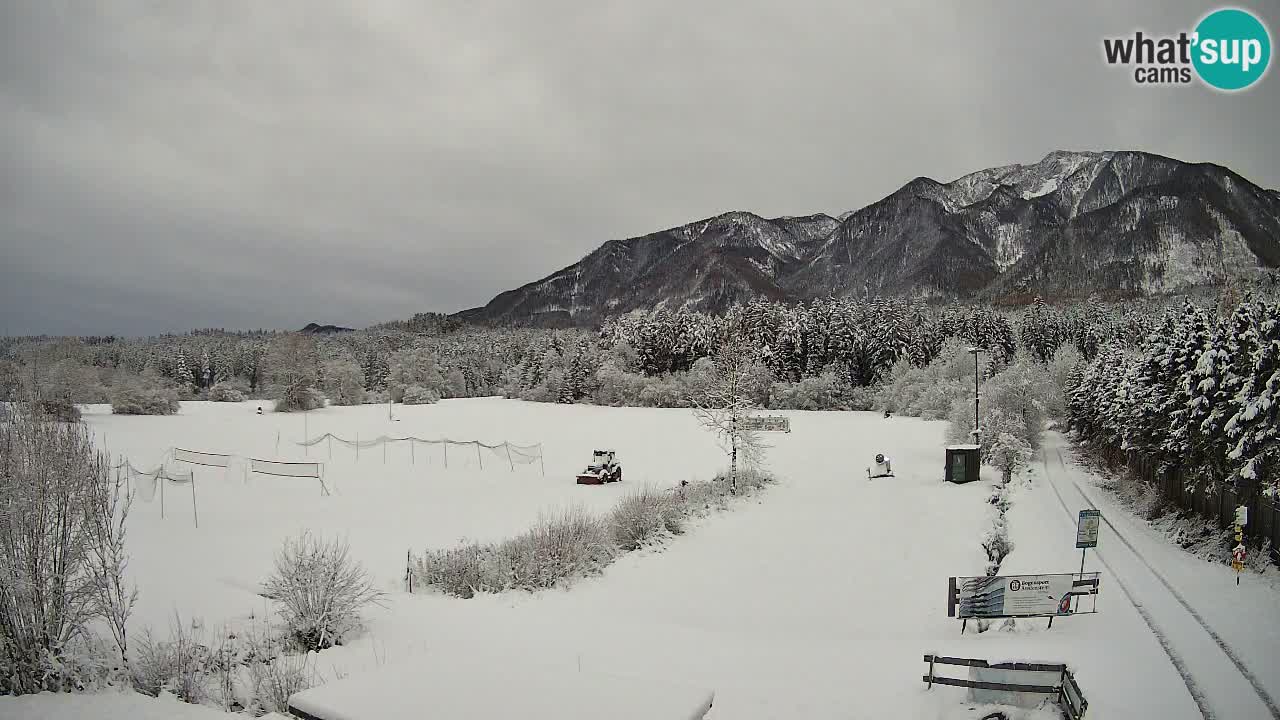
1211, 690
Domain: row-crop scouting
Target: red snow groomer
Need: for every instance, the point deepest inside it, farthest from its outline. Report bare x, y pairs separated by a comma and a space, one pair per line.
604, 468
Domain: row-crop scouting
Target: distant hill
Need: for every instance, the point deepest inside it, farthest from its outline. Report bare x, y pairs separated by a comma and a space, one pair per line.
316, 329
1073, 224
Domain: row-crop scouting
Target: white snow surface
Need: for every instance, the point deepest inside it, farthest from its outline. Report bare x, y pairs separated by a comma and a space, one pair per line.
105, 706
816, 599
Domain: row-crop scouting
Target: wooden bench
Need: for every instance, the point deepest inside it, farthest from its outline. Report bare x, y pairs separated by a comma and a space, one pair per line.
1066, 691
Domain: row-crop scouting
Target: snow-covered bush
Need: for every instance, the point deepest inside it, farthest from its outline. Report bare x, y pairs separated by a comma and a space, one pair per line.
275, 679
575, 544
61, 552
931, 390
1022, 390
293, 366
228, 391
343, 382
558, 548
455, 384
294, 398
994, 423
1008, 453
57, 410
143, 395
417, 395
645, 515
934, 401
827, 391
182, 665
666, 392
320, 589
415, 367
617, 387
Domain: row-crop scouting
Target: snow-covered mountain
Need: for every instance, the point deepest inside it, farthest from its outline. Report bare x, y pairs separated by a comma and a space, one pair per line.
1072, 224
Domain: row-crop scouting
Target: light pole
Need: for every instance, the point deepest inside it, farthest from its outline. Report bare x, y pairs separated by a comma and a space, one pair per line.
976, 432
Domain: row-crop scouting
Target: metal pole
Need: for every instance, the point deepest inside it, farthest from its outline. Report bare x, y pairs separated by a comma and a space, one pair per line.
975, 394
195, 512
478, 459
1077, 597
507, 445
160, 479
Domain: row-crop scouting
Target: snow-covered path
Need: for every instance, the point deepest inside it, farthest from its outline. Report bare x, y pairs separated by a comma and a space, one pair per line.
1227, 659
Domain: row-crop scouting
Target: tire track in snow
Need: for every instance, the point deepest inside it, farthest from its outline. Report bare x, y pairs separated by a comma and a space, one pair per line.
1217, 639
1193, 688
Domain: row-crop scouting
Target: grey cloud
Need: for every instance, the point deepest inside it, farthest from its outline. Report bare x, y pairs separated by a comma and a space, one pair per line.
244, 164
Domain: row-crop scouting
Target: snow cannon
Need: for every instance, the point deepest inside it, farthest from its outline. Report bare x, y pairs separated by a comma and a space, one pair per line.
604, 468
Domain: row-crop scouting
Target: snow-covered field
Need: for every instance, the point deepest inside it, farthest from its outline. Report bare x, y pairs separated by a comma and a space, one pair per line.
815, 599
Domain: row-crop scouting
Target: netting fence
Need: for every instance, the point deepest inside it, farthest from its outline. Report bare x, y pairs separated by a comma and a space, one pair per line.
506, 453
145, 485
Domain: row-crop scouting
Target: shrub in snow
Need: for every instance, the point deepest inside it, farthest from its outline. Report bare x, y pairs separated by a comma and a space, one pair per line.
343, 382
275, 678
824, 392
228, 391
143, 395
61, 553
645, 515
558, 547
1009, 453
417, 395
935, 401
663, 392
617, 387
320, 589
57, 410
182, 666
414, 367
294, 398
574, 544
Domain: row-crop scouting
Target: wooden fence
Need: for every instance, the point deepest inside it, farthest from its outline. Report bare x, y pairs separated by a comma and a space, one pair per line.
1218, 506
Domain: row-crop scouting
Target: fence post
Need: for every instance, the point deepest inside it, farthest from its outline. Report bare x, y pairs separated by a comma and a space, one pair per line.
931, 659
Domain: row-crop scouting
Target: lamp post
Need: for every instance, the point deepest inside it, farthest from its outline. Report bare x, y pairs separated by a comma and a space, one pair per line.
976, 432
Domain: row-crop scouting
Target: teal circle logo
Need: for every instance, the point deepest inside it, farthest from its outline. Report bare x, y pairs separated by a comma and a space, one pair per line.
1232, 49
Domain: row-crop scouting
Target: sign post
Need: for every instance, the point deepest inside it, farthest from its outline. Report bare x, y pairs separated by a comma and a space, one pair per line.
1238, 552
1087, 526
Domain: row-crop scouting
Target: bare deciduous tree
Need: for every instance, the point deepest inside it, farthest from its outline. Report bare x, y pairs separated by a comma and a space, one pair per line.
723, 405
61, 550
293, 365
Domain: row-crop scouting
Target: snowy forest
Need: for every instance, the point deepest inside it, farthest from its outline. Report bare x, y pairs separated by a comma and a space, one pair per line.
1178, 382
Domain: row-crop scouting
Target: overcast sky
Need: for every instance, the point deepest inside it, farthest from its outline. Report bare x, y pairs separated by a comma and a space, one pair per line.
243, 164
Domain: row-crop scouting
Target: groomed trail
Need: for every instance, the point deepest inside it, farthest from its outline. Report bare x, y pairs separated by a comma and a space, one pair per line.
1181, 599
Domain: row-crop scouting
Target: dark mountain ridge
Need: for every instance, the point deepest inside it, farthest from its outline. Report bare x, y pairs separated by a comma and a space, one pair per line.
1073, 224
